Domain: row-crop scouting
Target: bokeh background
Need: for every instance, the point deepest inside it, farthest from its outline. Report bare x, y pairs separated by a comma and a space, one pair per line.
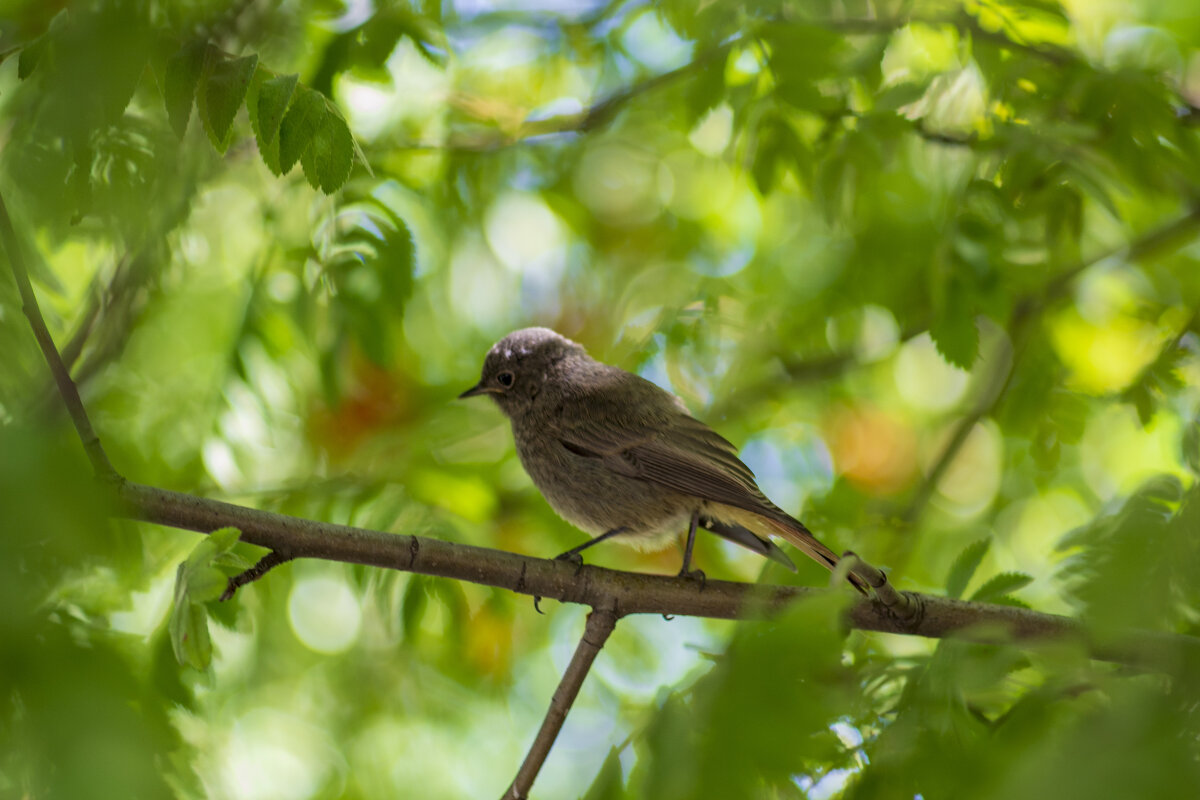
932, 266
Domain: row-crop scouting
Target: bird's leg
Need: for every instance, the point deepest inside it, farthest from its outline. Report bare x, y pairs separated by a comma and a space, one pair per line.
573, 556
684, 572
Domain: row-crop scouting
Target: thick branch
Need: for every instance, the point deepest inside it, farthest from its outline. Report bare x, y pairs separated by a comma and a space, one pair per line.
622, 592
600, 624
62, 377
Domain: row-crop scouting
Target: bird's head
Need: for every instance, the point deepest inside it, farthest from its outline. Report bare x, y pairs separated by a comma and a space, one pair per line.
518, 365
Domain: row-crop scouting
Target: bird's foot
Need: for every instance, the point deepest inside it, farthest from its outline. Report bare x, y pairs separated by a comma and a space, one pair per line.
694, 575
571, 557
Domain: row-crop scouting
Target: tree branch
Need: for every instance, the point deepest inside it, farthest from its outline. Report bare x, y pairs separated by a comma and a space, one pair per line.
1148, 244
102, 467
627, 593
600, 624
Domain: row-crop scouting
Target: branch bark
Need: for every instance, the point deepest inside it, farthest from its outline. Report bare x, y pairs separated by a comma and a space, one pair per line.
600, 624
632, 593
62, 377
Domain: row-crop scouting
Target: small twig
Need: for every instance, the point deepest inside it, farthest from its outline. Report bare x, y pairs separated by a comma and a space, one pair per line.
600, 624
1162, 237
265, 564
1002, 372
62, 377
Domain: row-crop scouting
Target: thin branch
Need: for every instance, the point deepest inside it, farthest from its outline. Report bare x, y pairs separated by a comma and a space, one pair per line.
627, 593
265, 564
600, 624
1148, 244
589, 119
62, 377
1024, 312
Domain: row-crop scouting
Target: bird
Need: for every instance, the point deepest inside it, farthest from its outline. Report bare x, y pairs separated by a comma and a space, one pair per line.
621, 458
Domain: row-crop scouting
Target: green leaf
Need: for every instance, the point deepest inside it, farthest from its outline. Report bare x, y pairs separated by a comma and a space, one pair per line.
416, 601
188, 625
330, 154
965, 565
267, 110
609, 784
300, 124
1191, 445
224, 88
1002, 584
31, 54
179, 86
225, 538
33, 50
206, 584
954, 332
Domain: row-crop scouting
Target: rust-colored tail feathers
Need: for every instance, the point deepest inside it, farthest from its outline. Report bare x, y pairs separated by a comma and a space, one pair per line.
803, 539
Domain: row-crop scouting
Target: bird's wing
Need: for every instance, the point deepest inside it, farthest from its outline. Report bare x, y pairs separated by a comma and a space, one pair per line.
665, 445
670, 448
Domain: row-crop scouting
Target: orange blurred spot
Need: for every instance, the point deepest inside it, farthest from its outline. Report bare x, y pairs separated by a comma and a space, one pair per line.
373, 400
489, 643
873, 450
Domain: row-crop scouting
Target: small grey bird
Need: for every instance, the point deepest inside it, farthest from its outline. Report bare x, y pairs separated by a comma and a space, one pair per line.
617, 456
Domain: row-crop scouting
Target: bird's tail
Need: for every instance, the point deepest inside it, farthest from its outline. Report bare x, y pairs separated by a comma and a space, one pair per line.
802, 538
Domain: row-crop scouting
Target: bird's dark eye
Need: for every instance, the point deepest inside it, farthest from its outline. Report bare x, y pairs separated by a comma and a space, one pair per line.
505, 379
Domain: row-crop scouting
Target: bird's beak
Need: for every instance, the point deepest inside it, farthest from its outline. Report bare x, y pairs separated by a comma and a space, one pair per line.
477, 389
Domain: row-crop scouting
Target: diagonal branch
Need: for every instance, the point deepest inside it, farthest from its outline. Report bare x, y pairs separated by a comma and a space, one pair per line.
1164, 237
62, 377
600, 624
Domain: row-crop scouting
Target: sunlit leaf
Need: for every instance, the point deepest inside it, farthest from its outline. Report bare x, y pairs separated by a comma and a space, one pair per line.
965, 565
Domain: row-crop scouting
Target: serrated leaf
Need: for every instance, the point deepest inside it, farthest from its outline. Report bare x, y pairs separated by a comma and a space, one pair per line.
1009, 600
1002, 584
224, 89
270, 106
965, 565
300, 124
179, 86
956, 335
330, 154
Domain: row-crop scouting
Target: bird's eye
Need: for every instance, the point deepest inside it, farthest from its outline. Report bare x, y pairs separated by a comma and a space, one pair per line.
505, 378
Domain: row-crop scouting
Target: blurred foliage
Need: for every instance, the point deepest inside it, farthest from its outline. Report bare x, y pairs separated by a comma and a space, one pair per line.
932, 265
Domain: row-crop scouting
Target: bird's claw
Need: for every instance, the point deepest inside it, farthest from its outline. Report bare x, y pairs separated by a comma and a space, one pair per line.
694, 575
571, 557
536, 607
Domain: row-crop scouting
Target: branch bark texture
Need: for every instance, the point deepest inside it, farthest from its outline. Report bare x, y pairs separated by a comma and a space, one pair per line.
625, 593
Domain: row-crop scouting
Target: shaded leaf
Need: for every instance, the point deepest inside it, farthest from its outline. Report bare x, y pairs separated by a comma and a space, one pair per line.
954, 331
609, 784
179, 86
330, 153
266, 116
224, 88
303, 119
